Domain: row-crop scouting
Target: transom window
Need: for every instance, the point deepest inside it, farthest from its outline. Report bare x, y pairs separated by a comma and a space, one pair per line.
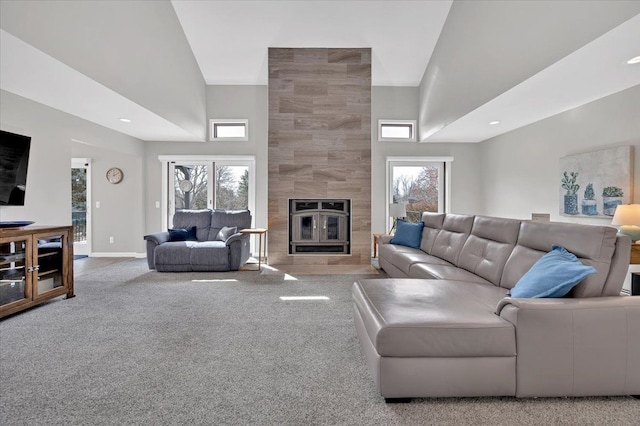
229, 130
397, 130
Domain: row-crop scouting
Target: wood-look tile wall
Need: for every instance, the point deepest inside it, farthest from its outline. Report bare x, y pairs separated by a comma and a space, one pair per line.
320, 142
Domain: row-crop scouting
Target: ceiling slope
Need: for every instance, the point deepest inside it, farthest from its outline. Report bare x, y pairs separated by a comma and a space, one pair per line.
230, 39
136, 49
488, 51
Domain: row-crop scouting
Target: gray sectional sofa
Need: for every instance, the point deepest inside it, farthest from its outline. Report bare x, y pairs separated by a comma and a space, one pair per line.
209, 250
444, 324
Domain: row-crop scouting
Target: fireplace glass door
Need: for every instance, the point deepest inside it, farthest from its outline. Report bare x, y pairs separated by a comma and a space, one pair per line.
333, 227
307, 227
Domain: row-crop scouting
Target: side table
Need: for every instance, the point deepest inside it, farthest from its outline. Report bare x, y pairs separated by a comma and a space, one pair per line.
375, 244
260, 232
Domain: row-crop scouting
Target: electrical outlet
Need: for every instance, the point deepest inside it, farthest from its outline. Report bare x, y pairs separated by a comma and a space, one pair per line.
157, 204
110, 240
97, 204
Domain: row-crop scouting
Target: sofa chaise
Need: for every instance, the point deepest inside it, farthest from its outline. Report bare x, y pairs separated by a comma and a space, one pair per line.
205, 240
444, 324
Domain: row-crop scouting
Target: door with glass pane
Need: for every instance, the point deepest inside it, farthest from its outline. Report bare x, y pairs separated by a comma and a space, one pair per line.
419, 185
232, 187
80, 205
190, 187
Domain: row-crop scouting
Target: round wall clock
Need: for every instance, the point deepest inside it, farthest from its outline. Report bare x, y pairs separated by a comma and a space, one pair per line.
114, 175
186, 185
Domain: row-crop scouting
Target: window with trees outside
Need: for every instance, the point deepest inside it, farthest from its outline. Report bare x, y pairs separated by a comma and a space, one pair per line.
418, 184
211, 183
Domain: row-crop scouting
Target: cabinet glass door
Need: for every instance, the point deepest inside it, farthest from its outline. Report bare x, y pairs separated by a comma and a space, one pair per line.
14, 266
49, 264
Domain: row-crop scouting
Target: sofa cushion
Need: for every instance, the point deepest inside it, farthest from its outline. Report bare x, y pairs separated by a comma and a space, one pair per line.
433, 318
593, 245
408, 234
226, 232
404, 261
553, 275
488, 247
449, 241
444, 272
173, 253
183, 234
241, 219
209, 253
432, 225
201, 219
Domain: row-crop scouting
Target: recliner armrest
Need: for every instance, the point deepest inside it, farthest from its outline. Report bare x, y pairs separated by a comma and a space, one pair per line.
158, 237
575, 347
235, 237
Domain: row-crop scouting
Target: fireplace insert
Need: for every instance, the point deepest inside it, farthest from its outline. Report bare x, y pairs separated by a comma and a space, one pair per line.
319, 226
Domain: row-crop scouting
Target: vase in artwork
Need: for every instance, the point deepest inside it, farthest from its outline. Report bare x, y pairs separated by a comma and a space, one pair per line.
571, 204
589, 207
609, 205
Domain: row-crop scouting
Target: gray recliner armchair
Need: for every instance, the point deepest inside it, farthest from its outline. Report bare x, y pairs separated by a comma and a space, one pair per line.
201, 240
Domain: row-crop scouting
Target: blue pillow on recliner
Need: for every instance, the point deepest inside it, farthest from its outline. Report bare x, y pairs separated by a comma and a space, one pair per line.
553, 275
183, 234
408, 234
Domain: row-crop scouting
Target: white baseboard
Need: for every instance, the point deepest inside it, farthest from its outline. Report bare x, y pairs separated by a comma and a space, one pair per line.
115, 254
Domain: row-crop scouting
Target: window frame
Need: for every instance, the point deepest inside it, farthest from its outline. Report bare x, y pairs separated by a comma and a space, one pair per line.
412, 124
214, 122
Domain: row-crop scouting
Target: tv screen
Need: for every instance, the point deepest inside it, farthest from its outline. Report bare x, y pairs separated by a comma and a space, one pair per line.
14, 159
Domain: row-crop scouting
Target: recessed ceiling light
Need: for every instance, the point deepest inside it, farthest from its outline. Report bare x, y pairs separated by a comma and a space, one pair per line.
635, 60
125, 120
494, 122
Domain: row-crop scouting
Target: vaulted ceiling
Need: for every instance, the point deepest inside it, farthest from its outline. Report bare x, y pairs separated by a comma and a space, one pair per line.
474, 61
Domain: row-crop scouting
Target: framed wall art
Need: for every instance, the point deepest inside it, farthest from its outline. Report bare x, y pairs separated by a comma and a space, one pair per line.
594, 183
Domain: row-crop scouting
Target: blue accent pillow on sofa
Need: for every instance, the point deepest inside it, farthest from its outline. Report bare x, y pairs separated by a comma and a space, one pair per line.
553, 275
183, 234
408, 234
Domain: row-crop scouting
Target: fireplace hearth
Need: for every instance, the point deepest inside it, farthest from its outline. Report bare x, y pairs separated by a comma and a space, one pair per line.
319, 226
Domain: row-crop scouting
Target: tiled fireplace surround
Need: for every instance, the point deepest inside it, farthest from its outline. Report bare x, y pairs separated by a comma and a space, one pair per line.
319, 143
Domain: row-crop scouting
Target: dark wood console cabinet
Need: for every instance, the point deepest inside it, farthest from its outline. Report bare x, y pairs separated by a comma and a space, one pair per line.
36, 264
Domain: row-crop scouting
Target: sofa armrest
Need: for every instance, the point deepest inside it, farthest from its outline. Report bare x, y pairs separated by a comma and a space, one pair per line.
158, 237
153, 241
575, 347
384, 239
235, 237
239, 250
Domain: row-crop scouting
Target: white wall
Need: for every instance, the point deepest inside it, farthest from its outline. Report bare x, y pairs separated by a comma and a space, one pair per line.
402, 103
48, 197
520, 168
222, 102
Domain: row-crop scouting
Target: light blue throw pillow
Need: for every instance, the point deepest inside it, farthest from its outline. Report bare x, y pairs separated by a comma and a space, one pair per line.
553, 275
408, 234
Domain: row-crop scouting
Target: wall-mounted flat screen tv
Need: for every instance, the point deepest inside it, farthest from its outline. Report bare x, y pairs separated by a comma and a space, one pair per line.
14, 160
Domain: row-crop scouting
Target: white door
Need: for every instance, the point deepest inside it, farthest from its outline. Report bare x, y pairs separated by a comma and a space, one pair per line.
80, 205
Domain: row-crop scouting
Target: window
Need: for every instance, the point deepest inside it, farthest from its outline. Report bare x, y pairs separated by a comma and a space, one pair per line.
419, 184
229, 130
397, 130
207, 182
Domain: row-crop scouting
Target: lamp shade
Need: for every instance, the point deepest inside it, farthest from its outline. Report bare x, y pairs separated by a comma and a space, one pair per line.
627, 214
627, 217
397, 210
